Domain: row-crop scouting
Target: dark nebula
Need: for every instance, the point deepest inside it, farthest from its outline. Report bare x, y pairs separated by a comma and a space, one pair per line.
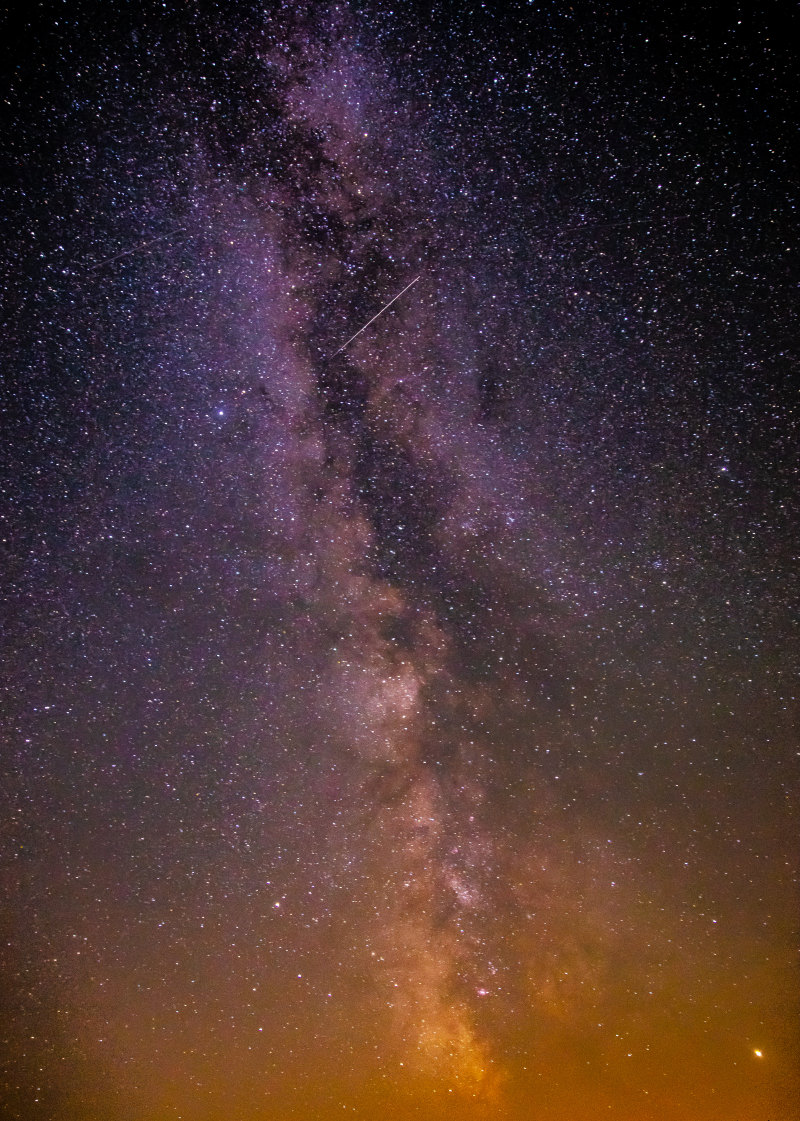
404, 728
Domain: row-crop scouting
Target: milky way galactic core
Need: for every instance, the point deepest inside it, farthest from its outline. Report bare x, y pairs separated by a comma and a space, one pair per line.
399, 508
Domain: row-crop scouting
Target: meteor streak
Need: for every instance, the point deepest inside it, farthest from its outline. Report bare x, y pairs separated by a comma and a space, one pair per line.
383, 309
140, 248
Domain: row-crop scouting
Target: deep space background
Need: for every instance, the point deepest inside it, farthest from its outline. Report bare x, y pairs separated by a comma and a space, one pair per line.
408, 731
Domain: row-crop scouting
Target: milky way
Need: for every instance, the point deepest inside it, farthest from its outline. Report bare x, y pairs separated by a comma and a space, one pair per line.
399, 502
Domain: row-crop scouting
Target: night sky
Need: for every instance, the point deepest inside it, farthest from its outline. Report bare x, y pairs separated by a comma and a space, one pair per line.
405, 728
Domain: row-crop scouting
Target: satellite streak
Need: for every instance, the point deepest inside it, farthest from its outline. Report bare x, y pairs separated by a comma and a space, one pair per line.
383, 309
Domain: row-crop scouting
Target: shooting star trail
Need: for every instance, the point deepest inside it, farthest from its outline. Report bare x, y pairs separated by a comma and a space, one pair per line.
383, 309
625, 224
140, 248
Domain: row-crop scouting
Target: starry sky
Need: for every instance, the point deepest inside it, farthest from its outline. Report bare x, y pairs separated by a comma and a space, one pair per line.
399, 723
